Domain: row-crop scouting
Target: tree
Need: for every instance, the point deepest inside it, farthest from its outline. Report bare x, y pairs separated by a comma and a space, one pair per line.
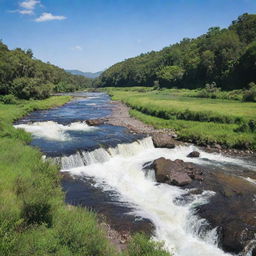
170, 74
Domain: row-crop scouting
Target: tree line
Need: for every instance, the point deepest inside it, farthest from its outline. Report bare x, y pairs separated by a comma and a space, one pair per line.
24, 77
226, 57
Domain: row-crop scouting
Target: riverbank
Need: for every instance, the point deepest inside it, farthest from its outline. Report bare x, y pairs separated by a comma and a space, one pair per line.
233, 191
34, 220
122, 116
218, 125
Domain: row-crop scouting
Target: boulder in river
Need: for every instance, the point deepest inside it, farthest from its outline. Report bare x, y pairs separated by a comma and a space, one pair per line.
175, 172
162, 140
193, 154
94, 122
232, 209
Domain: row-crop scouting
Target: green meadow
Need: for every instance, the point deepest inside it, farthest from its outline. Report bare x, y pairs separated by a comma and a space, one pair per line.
34, 220
204, 121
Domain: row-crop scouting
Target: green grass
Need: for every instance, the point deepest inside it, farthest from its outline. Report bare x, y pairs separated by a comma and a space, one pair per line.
199, 120
34, 220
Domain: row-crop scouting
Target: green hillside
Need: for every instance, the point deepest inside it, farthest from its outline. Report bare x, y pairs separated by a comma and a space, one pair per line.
224, 56
25, 77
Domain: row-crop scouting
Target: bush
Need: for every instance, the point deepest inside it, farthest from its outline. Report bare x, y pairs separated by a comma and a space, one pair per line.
247, 127
250, 94
210, 91
30, 88
8, 99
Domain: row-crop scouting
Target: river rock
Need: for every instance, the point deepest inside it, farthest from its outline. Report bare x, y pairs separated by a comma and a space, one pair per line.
175, 172
162, 140
193, 154
94, 122
232, 209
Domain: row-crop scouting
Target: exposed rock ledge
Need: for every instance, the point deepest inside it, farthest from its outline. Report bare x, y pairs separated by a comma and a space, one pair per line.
176, 172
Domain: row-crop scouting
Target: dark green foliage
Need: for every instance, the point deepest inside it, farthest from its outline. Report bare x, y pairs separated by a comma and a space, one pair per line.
37, 213
170, 74
226, 56
26, 77
247, 127
210, 91
250, 94
30, 88
8, 99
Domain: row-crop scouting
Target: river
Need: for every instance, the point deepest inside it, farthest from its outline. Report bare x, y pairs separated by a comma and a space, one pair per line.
105, 173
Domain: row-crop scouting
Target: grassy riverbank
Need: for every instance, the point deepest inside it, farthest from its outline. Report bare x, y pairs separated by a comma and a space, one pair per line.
204, 121
34, 220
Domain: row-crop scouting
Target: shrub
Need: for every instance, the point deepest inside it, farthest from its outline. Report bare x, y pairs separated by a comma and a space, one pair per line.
210, 91
30, 88
8, 99
247, 127
250, 94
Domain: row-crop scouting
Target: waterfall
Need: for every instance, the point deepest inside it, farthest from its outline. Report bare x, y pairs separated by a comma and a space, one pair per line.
101, 155
121, 169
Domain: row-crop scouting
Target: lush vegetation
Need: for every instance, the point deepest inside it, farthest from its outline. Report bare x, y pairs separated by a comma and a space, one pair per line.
204, 121
224, 57
25, 77
34, 220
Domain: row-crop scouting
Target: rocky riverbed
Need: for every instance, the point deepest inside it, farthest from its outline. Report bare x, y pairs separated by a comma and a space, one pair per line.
161, 186
233, 207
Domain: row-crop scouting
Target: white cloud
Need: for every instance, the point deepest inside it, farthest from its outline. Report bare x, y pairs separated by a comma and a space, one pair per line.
29, 4
46, 16
26, 12
26, 7
77, 48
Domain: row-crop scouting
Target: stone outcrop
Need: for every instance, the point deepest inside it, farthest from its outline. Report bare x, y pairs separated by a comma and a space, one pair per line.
232, 208
176, 172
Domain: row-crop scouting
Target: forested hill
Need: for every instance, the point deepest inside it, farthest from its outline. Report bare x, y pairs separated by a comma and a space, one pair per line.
25, 77
86, 74
224, 56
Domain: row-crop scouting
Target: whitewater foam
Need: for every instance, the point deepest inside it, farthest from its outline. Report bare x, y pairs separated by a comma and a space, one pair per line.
54, 131
121, 169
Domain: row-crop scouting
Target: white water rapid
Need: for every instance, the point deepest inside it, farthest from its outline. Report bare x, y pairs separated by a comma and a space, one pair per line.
121, 169
54, 131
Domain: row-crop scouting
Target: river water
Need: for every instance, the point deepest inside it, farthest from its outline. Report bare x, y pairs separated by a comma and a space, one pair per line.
106, 166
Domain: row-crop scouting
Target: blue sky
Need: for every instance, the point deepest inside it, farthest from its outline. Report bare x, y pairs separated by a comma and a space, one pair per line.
91, 35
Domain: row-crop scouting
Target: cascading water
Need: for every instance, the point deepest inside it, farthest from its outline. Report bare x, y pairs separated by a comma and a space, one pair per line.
117, 171
121, 169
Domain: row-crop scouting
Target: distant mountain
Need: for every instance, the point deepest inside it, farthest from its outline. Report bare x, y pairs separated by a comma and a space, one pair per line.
86, 74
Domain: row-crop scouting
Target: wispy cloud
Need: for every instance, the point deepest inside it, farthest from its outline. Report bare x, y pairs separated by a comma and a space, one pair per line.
25, 12
77, 48
27, 7
29, 4
46, 16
